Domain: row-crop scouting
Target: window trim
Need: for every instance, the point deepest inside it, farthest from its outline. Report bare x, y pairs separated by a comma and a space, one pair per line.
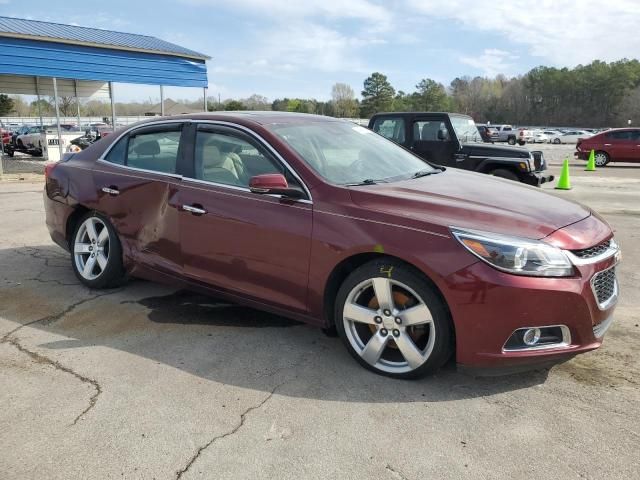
232, 125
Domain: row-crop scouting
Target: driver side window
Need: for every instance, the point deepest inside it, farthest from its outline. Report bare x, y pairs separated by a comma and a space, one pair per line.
231, 158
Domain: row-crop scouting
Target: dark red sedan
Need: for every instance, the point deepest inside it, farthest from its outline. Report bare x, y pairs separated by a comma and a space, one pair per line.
616, 145
324, 221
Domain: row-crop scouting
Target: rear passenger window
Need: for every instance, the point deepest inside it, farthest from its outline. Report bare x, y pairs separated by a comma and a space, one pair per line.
117, 154
391, 128
154, 151
623, 135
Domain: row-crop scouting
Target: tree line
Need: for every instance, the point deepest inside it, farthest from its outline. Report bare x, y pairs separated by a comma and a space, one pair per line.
597, 95
600, 94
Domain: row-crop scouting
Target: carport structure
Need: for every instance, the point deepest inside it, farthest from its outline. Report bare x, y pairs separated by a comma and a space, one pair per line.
43, 58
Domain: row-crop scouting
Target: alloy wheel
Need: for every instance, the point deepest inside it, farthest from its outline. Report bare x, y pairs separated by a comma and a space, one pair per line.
389, 325
91, 248
600, 159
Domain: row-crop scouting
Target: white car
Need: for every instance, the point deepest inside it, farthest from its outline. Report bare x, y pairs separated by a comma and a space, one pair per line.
539, 136
33, 139
571, 136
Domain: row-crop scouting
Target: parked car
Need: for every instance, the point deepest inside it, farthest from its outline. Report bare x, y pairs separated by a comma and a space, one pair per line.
488, 134
539, 136
453, 140
618, 145
32, 140
506, 133
326, 222
570, 136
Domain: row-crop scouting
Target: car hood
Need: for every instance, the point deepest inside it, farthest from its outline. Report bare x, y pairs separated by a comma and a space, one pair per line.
493, 150
472, 200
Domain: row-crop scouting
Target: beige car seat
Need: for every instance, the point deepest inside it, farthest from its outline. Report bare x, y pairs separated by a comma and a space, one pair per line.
216, 167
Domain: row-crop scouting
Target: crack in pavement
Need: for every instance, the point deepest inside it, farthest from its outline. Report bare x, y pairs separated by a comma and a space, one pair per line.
49, 319
395, 473
243, 417
7, 338
57, 365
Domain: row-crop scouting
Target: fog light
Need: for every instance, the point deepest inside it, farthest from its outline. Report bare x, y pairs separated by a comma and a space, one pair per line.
531, 336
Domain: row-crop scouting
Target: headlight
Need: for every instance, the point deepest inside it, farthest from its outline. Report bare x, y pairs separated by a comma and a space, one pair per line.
520, 256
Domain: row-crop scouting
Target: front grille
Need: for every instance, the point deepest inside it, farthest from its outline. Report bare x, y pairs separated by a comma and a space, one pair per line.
593, 251
538, 161
604, 286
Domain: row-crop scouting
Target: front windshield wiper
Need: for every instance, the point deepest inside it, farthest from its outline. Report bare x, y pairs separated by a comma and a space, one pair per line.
366, 181
424, 173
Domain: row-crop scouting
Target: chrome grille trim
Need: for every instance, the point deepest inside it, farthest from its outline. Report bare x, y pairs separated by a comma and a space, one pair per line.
593, 251
594, 254
600, 329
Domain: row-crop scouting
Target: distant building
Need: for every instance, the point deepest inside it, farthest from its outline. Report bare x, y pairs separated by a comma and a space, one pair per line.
171, 107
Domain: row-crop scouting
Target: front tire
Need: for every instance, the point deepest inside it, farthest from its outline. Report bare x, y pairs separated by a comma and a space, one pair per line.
96, 253
504, 173
557, 141
511, 141
392, 321
601, 158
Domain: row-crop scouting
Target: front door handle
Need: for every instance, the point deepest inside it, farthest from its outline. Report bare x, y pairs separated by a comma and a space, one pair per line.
195, 209
112, 190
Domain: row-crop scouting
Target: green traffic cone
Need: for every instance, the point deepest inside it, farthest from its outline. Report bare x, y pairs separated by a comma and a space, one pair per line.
591, 163
563, 182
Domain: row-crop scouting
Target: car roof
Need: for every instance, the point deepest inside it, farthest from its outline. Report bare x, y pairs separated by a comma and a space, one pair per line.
254, 117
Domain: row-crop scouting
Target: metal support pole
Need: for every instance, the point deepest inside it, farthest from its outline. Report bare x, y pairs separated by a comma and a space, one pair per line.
38, 100
75, 86
161, 101
113, 107
55, 99
204, 92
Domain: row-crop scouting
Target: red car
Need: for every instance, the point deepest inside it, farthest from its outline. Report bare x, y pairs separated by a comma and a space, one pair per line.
616, 145
323, 221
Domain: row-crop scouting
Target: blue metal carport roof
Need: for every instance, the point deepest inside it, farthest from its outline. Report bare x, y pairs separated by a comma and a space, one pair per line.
44, 49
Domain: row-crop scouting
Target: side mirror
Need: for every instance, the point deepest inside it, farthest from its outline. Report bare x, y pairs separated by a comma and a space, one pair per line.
272, 183
442, 134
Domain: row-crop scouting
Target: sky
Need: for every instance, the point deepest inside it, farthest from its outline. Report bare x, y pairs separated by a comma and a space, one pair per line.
300, 48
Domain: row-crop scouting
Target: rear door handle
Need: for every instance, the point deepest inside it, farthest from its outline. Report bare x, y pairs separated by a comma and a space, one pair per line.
607, 144
113, 191
195, 209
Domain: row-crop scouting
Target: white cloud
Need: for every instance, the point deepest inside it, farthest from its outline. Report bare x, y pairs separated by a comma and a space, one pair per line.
291, 35
565, 32
354, 9
491, 62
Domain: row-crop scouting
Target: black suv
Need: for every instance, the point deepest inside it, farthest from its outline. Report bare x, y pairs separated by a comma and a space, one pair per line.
453, 140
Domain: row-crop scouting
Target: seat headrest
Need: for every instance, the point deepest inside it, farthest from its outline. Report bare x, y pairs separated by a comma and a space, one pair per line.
211, 155
430, 131
150, 147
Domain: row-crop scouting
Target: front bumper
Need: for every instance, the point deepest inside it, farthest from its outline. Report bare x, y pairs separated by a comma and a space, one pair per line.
537, 178
488, 306
581, 155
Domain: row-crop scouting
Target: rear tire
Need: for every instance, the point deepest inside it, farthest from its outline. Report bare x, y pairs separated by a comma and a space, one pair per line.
511, 141
601, 158
504, 173
96, 253
392, 321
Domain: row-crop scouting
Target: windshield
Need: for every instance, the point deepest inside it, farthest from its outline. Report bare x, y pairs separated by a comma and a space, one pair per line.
466, 129
344, 153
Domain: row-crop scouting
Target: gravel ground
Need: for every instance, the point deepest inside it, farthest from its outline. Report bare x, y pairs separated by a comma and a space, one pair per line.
147, 382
